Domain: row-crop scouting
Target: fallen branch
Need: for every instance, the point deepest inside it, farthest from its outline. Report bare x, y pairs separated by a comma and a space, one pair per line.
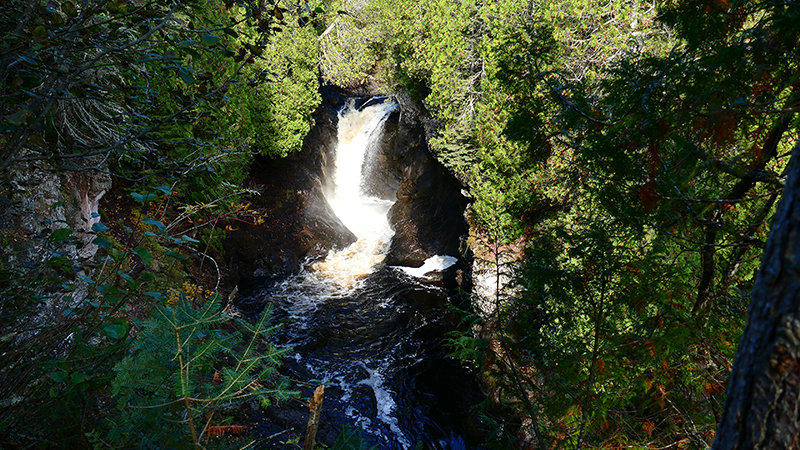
315, 406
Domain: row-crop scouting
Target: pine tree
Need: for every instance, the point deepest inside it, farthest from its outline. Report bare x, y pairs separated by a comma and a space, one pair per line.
187, 370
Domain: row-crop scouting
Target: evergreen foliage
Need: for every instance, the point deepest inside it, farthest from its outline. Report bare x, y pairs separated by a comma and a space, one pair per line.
625, 314
349, 49
638, 152
625, 159
170, 98
185, 373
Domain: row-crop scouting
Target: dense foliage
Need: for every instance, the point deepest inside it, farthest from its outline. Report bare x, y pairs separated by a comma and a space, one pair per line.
636, 153
167, 102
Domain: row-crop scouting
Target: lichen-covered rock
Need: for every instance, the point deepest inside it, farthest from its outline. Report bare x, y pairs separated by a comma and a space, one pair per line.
86, 190
44, 200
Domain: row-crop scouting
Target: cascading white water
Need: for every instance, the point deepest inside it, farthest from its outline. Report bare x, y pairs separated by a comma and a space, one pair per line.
339, 273
365, 216
349, 318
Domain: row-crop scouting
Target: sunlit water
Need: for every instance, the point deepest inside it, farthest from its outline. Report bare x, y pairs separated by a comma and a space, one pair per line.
368, 331
365, 216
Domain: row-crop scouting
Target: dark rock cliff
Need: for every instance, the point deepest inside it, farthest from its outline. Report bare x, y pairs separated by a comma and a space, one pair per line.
428, 217
299, 222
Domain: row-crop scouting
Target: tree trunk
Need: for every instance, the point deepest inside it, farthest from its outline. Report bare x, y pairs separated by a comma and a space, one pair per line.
762, 409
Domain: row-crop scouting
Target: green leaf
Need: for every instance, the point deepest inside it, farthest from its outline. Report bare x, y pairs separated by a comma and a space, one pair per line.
58, 261
165, 189
187, 43
60, 235
131, 282
100, 242
192, 52
99, 227
29, 61
40, 33
108, 289
69, 9
115, 331
18, 118
177, 256
142, 198
210, 39
186, 75
59, 377
184, 239
144, 254
155, 223
157, 295
79, 377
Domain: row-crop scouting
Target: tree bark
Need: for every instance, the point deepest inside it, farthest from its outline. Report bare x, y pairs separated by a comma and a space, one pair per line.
762, 408
709, 266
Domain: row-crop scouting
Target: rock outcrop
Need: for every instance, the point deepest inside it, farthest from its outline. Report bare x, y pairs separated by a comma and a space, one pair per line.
42, 200
428, 217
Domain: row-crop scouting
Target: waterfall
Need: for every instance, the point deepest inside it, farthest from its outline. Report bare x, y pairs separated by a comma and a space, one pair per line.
365, 216
368, 331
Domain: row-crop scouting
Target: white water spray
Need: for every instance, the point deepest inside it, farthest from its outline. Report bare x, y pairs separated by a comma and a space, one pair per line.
365, 216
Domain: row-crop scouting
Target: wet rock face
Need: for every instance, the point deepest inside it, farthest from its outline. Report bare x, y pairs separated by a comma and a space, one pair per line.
299, 222
381, 172
428, 217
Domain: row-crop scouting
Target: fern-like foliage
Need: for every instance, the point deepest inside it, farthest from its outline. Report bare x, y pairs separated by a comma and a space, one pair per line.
187, 369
